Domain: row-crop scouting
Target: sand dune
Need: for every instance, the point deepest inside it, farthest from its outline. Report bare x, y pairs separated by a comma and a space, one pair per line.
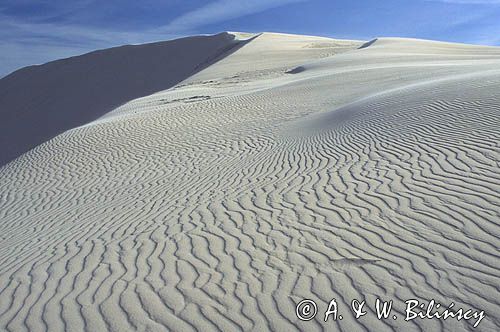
40, 102
296, 167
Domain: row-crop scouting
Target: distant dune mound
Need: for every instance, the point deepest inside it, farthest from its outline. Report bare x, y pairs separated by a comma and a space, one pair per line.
39, 102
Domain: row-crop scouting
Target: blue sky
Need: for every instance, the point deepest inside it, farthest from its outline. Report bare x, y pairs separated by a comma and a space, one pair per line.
37, 31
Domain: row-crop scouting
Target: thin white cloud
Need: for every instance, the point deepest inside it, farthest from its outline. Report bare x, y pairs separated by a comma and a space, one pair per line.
11, 29
221, 10
52, 8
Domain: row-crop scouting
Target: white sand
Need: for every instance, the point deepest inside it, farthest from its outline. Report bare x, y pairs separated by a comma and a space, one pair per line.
224, 201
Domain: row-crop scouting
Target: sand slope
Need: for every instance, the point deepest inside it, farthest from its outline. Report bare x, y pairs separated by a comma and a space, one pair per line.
40, 102
296, 167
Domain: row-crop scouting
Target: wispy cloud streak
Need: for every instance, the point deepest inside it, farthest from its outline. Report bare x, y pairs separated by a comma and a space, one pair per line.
222, 10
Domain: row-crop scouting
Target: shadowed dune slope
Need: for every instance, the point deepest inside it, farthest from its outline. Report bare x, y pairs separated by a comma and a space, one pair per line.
39, 102
222, 202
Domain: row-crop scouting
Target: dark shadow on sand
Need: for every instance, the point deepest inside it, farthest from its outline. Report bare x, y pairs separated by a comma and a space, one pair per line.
39, 102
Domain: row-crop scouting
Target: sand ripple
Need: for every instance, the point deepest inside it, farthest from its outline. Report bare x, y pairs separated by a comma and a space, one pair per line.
220, 204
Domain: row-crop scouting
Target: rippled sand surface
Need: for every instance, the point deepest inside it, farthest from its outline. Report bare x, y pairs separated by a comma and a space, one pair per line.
294, 168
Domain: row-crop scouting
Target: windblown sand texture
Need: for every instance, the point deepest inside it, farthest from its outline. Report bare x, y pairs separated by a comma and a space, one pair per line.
295, 167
